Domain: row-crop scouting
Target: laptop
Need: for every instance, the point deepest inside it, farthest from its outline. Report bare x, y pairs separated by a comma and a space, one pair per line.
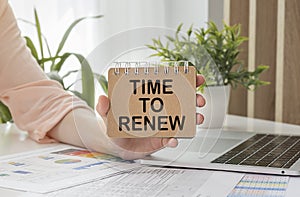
233, 151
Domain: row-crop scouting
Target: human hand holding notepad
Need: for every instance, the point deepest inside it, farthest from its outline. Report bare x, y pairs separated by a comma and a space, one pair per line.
152, 101
132, 148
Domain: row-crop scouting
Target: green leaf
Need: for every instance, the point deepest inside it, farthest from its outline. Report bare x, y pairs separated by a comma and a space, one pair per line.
103, 82
39, 34
48, 59
76, 93
68, 88
170, 38
87, 78
151, 47
63, 58
32, 48
70, 28
190, 31
47, 45
43, 36
68, 73
5, 115
179, 28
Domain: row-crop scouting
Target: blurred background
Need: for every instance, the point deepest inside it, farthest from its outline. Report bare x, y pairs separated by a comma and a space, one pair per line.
119, 15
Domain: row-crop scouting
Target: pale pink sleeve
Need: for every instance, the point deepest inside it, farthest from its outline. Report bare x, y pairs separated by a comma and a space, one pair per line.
37, 104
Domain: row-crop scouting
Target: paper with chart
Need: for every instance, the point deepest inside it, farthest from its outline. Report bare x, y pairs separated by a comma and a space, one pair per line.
55, 168
150, 181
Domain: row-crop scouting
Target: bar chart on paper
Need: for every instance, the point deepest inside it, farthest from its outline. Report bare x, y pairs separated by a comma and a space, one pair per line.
260, 185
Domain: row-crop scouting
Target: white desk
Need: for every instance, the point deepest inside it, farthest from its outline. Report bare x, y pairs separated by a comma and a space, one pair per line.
13, 141
239, 123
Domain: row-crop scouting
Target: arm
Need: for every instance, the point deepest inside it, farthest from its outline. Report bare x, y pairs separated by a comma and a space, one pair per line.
37, 104
81, 127
41, 107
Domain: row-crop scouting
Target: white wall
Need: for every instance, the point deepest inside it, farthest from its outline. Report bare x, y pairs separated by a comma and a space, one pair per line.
216, 12
121, 15
187, 12
55, 16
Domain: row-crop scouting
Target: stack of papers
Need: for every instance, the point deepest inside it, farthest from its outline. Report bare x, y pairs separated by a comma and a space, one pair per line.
56, 168
71, 171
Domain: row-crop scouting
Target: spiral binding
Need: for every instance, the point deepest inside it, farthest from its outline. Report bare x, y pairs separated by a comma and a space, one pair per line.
146, 68
146, 65
117, 68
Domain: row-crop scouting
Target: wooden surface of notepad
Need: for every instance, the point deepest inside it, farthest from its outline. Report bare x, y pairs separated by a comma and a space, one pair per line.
158, 103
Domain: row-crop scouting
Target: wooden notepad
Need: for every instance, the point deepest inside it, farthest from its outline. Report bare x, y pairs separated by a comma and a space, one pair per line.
155, 101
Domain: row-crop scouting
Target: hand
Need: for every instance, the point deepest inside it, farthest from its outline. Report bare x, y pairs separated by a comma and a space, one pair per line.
135, 148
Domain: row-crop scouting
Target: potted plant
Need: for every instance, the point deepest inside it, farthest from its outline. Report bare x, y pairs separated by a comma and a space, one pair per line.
214, 53
55, 61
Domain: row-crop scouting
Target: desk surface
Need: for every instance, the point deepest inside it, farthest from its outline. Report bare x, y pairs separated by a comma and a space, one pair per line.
14, 141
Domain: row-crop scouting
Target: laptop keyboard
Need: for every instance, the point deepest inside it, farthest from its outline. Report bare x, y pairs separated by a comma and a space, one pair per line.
264, 150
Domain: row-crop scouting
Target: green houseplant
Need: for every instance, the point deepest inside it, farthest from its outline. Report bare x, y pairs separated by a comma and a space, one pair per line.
214, 53
221, 45
55, 61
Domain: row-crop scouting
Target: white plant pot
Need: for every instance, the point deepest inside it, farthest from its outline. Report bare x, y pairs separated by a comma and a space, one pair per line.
216, 107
